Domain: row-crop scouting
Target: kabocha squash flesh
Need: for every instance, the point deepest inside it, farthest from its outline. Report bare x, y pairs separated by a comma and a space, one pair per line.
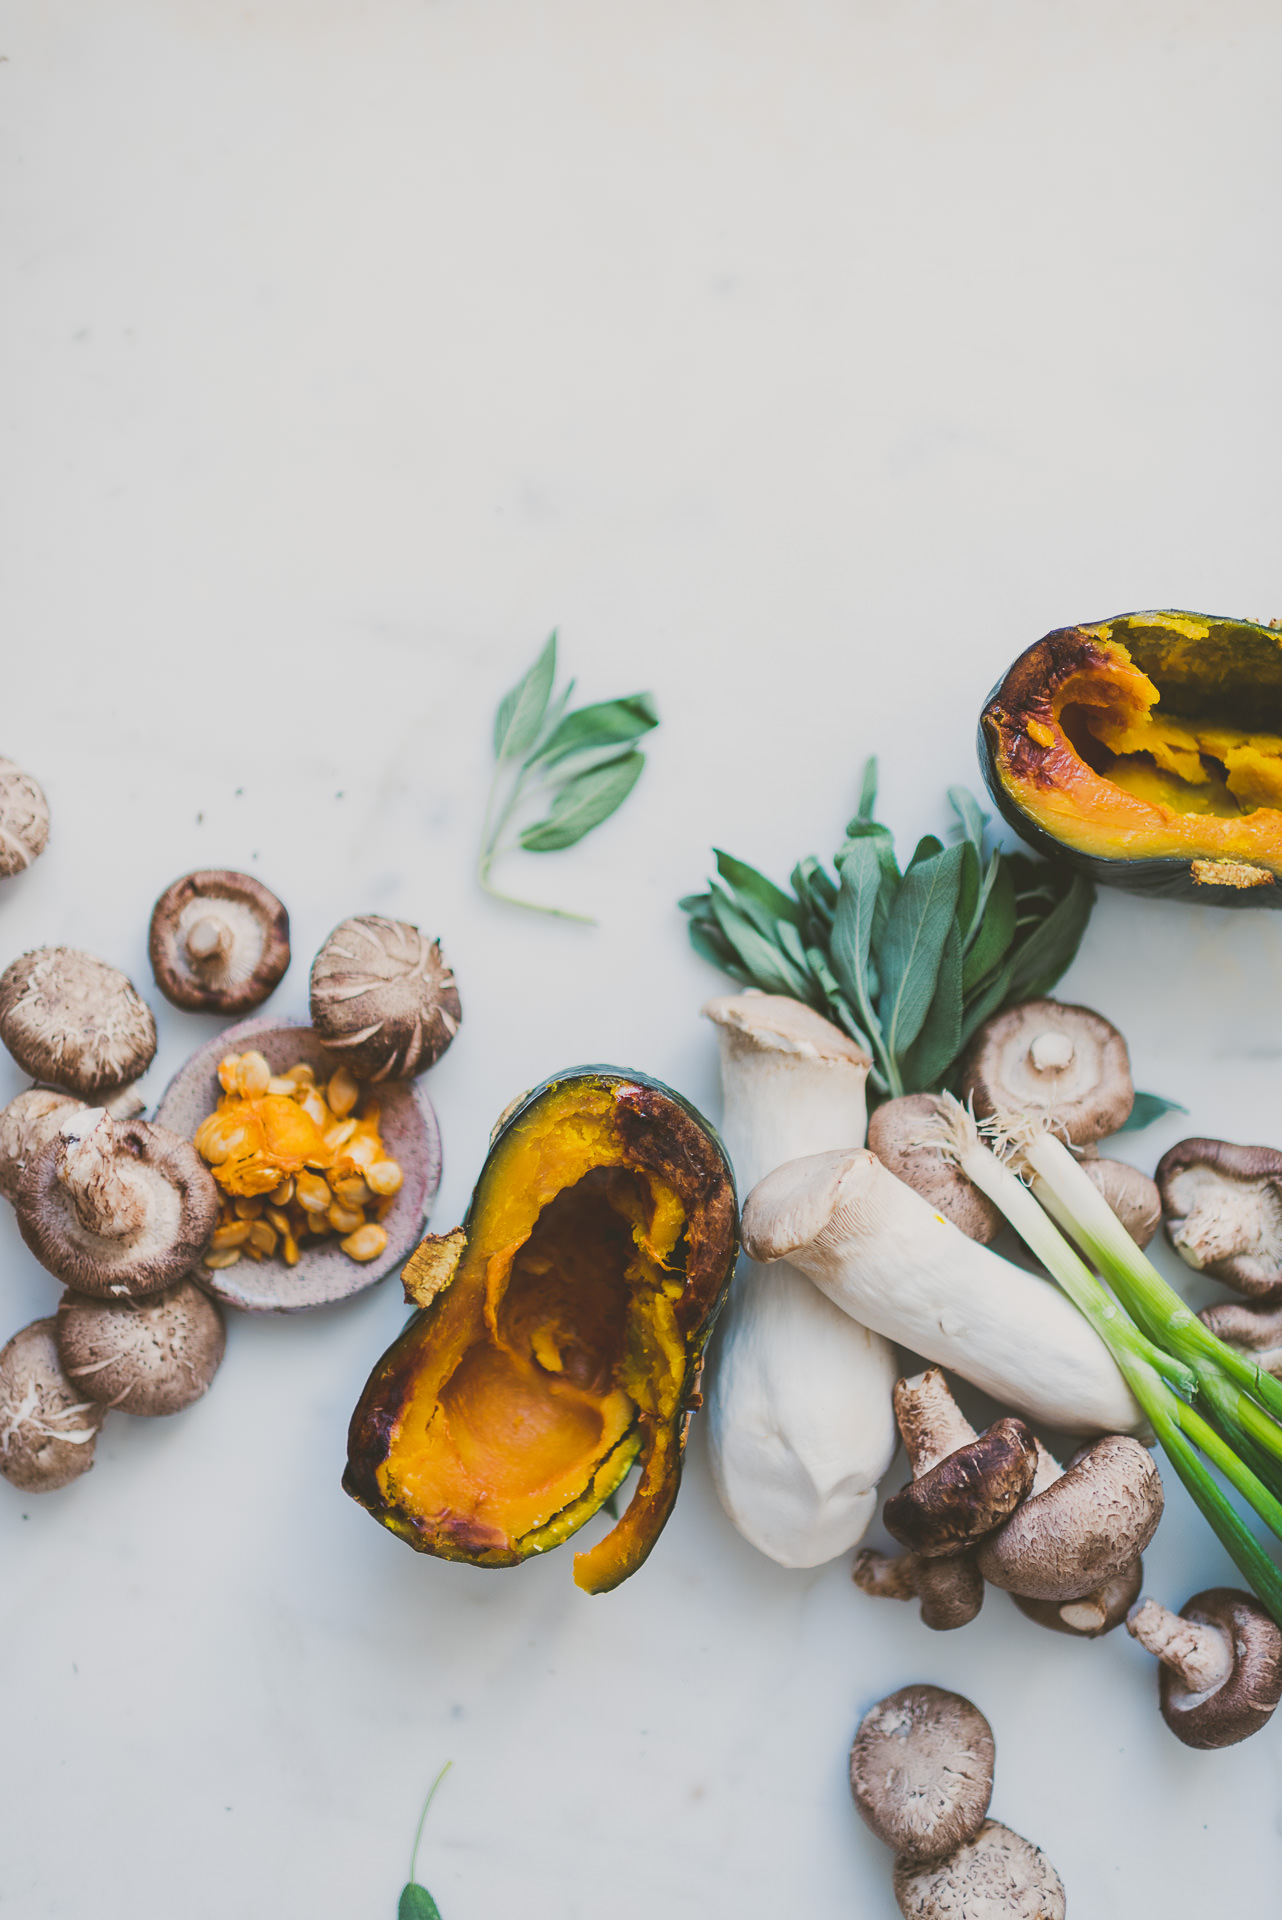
560, 1334
1147, 751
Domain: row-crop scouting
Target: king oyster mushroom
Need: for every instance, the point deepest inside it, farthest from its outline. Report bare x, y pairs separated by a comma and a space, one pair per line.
921, 1771
1081, 1528
1046, 1057
116, 1208
48, 1429
383, 999
799, 1418
1223, 1211
151, 1356
1221, 1673
996, 1876
71, 1019
24, 819
219, 942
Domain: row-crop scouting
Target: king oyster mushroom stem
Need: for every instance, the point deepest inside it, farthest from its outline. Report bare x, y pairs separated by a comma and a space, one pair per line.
884, 1255
1079, 1529
1046, 1057
798, 1404
921, 1771
996, 1876
1223, 1210
116, 1207
1221, 1672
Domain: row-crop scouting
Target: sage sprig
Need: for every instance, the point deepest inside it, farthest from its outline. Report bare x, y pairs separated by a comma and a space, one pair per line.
416, 1903
580, 765
908, 962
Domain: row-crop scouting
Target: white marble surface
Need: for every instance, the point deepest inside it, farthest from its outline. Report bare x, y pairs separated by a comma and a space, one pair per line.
802, 362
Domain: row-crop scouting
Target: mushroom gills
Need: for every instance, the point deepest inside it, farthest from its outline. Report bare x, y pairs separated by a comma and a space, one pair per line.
1223, 1209
1221, 1665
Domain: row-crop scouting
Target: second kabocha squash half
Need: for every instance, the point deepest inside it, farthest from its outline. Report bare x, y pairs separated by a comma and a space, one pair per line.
1147, 751
560, 1334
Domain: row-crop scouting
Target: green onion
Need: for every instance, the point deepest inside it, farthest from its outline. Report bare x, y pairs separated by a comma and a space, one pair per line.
1146, 1328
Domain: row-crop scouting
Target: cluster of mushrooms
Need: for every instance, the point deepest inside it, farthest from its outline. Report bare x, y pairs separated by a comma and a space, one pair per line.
120, 1209
921, 1772
855, 1249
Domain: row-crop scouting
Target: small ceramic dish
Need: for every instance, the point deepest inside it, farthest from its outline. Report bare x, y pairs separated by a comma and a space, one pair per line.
324, 1274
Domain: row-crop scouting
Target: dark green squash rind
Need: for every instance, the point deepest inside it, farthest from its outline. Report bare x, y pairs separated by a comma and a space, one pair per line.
1166, 878
697, 1165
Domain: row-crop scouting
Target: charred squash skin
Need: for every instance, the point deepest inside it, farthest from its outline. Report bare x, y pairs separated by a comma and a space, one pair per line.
1147, 752
562, 1337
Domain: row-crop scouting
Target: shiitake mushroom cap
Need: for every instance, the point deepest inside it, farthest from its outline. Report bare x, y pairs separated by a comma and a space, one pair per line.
182, 1207
152, 1356
29, 1120
383, 999
998, 1875
921, 1770
72, 1020
249, 957
24, 819
1046, 1056
48, 1428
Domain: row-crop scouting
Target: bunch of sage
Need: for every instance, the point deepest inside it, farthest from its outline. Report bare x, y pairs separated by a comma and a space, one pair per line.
908, 962
581, 765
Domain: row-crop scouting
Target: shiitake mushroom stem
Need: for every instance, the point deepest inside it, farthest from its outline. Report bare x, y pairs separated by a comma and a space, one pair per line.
106, 1199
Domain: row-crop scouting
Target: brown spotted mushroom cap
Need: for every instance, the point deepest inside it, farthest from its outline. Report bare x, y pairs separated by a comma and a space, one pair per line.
964, 1484
1133, 1197
382, 998
921, 1770
26, 1123
48, 1428
1223, 1210
1046, 1057
71, 1019
219, 942
996, 1876
151, 1356
116, 1207
24, 819
898, 1133
1087, 1526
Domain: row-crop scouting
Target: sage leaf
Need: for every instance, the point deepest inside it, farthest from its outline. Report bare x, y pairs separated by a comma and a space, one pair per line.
520, 714
935, 1048
968, 890
416, 1903
996, 993
610, 723
763, 960
711, 944
852, 928
867, 790
749, 885
583, 803
927, 847
1148, 1108
1039, 960
909, 955
995, 932
971, 817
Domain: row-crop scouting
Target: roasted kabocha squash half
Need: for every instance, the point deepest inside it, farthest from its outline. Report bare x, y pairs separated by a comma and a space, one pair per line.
1147, 751
560, 1335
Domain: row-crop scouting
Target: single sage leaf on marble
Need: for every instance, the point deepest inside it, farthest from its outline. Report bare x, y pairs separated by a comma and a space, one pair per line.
583, 803
520, 714
416, 1903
